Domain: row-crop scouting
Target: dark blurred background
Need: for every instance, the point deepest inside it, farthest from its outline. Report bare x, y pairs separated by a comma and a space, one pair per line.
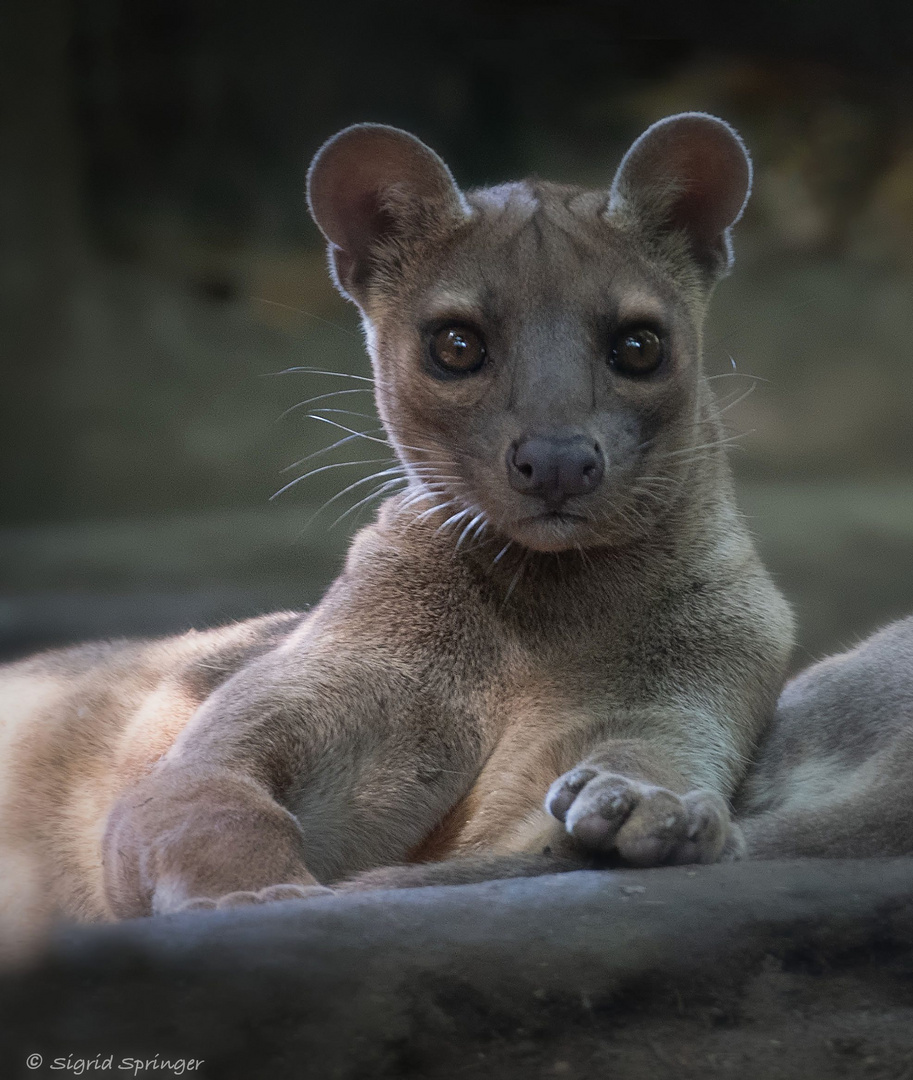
157, 268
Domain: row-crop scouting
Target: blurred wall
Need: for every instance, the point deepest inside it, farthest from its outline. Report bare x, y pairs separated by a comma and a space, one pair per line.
158, 268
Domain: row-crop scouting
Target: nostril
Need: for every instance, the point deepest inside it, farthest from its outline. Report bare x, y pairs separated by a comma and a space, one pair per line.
525, 464
592, 469
522, 460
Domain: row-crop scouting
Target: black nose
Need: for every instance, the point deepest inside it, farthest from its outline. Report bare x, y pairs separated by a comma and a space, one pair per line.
555, 468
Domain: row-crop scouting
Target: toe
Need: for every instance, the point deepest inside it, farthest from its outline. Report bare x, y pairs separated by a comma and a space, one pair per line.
295, 892
273, 894
565, 790
655, 828
708, 828
600, 810
238, 899
198, 903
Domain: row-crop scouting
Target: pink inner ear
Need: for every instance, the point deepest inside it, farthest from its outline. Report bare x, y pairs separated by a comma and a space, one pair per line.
706, 161
715, 178
351, 172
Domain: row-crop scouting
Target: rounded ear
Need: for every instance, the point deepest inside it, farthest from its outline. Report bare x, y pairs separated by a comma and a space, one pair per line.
689, 172
369, 181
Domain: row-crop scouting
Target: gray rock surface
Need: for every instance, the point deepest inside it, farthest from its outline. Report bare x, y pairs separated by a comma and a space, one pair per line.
763, 970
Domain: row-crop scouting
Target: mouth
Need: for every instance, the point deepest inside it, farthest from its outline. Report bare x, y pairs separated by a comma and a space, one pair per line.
553, 517
550, 530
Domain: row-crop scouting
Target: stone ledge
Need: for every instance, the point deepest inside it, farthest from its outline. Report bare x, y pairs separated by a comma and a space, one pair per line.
766, 970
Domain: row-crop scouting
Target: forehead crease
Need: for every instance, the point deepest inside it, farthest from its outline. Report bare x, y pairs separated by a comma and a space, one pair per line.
586, 233
504, 211
548, 256
549, 247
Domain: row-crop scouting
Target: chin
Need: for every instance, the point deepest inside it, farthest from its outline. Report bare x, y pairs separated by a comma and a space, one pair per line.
552, 533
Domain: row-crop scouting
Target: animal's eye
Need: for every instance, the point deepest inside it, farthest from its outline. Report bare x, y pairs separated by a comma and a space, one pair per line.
636, 351
458, 349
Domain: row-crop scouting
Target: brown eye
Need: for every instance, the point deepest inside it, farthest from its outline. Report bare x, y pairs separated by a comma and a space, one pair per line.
458, 349
637, 351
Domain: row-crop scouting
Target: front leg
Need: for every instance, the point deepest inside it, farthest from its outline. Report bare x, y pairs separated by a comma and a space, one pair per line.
189, 838
311, 764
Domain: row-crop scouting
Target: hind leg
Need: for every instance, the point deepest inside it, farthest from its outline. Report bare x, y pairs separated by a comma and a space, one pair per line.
867, 812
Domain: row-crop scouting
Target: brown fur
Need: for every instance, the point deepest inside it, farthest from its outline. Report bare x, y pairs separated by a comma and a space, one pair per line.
475, 657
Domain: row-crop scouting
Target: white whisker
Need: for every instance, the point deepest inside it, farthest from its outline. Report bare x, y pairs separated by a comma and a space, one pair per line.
502, 552
479, 516
323, 450
351, 487
302, 311
349, 412
351, 431
388, 485
427, 491
324, 468
322, 397
515, 579
434, 509
453, 519
727, 441
732, 404
321, 371
737, 375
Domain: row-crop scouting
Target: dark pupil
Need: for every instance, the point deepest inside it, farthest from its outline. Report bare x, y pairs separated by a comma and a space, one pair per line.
640, 351
637, 346
458, 349
458, 343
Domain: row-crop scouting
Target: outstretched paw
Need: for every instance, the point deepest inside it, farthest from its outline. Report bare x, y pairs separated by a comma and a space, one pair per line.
270, 895
646, 825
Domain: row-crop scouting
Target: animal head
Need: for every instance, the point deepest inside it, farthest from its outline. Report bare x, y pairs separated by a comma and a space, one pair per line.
537, 346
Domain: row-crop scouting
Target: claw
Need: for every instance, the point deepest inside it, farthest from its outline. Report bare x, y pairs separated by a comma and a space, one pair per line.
247, 898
